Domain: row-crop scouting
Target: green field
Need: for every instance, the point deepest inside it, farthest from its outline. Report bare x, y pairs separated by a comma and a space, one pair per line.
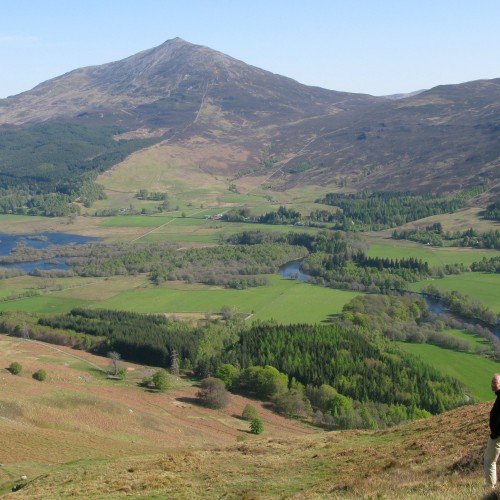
473, 339
435, 256
284, 300
193, 228
472, 370
482, 286
43, 304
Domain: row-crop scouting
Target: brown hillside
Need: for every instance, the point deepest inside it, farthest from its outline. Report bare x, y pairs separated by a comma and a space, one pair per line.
77, 413
79, 435
443, 139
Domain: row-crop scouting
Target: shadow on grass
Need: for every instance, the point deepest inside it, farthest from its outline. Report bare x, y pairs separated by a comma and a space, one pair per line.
100, 374
190, 401
331, 318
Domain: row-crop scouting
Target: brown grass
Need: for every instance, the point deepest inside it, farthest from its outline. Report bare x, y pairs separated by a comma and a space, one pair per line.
437, 458
79, 435
76, 414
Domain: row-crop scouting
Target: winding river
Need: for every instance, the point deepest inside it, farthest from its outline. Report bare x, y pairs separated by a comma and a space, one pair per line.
291, 270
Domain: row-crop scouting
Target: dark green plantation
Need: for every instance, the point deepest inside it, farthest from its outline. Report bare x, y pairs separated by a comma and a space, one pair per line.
381, 210
43, 168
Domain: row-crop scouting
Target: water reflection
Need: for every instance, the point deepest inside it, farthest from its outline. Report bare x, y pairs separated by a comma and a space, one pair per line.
39, 241
292, 270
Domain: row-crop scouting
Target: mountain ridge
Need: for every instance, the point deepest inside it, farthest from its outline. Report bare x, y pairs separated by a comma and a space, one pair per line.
142, 78
438, 140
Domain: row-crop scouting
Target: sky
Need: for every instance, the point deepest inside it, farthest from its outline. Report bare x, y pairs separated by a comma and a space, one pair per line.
378, 47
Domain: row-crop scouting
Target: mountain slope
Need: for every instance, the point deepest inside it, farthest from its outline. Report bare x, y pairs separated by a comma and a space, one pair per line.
78, 414
289, 134
444, 139
153, 87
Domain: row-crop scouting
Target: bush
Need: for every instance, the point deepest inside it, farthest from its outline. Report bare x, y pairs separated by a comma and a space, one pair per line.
213, 393
266, 381
256, 426
40, 375
250, 413
161, 380
15, 368
228, 374
293, 404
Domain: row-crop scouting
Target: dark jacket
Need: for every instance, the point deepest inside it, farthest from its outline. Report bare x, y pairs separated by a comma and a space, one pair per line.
495, 418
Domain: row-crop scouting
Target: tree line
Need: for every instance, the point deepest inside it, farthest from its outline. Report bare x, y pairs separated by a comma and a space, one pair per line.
435, 236
383, 210
493, 211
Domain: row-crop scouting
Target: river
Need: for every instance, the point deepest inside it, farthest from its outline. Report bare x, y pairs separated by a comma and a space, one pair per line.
40, 240
291, 270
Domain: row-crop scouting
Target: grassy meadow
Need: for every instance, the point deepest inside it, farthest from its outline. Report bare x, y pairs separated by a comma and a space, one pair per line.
473, 370
284, 300
435, 256
482, 286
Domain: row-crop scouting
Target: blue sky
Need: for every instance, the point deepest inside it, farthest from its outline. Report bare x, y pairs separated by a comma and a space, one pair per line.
377, 47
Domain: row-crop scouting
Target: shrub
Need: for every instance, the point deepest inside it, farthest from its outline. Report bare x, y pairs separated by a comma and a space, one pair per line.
161, 380
228, 374
250, 413
266, 381
213, 393
293, 404
256, 426
40, 375
15, 368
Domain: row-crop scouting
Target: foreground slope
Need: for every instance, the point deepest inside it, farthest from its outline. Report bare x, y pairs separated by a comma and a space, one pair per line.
80, 435
80, 414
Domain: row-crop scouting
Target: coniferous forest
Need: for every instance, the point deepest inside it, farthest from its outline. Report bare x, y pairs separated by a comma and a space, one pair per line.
352, 356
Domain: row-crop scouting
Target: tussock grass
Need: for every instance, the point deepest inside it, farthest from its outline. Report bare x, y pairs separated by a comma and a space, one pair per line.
91, 438
79, 416
435, 458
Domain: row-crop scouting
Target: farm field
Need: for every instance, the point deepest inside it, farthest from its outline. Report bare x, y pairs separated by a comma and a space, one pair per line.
435, 256
483, 286
286, 301
472, 370
282, 300
193, 228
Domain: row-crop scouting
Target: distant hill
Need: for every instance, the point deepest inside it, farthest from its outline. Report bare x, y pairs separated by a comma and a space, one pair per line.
439, 140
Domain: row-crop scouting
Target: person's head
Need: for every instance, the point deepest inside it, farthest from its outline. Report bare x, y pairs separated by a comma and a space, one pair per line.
495, 382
